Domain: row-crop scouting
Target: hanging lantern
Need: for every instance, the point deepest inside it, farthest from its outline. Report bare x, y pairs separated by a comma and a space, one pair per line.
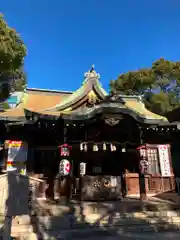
113, 148
123, 150
85, 147
104, 147
95, 148
82, 168
64, 167
81, 147
65, 150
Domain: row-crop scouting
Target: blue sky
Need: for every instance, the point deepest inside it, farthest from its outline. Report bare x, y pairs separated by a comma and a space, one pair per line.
65, 37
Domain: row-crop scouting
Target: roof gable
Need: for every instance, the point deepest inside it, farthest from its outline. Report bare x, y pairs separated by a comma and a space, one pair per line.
91, 85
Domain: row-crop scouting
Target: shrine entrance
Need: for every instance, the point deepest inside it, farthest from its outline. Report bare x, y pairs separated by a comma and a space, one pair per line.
105, 170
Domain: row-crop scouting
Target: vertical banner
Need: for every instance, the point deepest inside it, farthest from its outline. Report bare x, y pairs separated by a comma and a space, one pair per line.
17, 156
164, 160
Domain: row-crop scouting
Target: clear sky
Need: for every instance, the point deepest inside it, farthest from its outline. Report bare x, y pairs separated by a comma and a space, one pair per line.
65, 37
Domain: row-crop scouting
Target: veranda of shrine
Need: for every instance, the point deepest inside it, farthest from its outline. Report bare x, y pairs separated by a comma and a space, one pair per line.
117, 138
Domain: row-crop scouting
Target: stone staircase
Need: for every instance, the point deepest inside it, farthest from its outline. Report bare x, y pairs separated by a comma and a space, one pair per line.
125, 216
67, 221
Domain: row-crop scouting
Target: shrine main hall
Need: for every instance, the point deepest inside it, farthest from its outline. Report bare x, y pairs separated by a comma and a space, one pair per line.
89, 142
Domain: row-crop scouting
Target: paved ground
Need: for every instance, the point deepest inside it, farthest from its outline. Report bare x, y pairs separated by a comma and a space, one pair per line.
169, 196
100, 235
158, 236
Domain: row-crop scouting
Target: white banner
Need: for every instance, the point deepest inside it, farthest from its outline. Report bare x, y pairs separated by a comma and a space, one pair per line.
164, 160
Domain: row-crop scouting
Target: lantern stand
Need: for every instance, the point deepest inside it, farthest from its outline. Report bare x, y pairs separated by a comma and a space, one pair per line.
142, 183
60, 177
82, 173
65, 152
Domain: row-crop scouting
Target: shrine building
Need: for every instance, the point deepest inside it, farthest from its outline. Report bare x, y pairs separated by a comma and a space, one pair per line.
89, 143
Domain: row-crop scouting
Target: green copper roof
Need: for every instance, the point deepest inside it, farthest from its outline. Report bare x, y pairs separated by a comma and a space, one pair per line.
91, 82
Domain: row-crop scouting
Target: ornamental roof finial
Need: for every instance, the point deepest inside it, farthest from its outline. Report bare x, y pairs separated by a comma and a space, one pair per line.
92, 68
91, 73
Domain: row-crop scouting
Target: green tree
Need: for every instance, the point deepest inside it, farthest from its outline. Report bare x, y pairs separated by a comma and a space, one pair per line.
159, 84
12, 53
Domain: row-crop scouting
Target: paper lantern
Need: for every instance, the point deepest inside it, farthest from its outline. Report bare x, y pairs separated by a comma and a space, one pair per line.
81, 147
82, 168
95, 148
113, 147
64, 167
104, 147
85, 147
65, 150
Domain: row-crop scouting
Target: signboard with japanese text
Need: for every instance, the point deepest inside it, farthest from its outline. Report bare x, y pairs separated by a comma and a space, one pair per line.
17, 156
164, 160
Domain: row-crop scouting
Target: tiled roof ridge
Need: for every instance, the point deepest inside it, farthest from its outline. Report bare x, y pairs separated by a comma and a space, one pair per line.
138, 97
48, 90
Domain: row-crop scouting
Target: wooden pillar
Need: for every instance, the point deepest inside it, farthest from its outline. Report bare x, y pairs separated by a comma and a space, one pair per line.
82, 188
65, 133
142, 182
60, 178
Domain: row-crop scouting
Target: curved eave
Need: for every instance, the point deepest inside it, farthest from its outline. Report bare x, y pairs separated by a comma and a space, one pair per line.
34, 115
16, 114
113, 109
12, 118
104, 108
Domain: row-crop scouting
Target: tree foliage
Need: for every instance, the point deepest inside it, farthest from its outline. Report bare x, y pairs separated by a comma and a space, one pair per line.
159, 85
12, 53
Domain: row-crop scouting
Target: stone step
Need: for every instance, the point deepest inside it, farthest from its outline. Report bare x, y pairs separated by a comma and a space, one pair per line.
21, 220
21, 226
94, 220
103, 209
124, 216
115, 213
21, 231
123, 229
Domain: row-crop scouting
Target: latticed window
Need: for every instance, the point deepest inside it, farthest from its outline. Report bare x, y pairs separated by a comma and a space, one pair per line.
153, 163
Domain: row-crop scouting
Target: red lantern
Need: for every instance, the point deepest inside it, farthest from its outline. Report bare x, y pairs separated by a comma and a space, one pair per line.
65, 150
